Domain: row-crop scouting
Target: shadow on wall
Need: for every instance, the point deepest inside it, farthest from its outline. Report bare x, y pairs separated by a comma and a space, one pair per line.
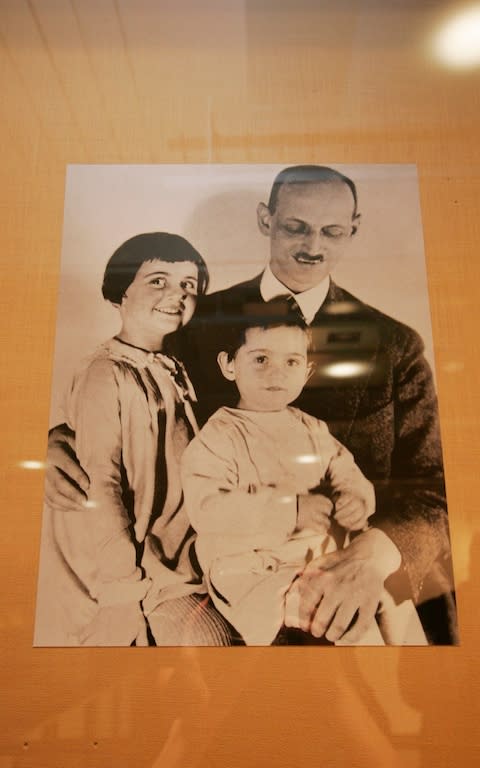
446, 692
173, 708
235, 251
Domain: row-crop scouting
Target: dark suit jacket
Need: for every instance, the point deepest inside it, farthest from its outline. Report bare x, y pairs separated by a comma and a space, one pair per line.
384, 411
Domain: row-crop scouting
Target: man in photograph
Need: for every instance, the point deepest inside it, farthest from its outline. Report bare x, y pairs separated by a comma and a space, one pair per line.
372, 386
374, 389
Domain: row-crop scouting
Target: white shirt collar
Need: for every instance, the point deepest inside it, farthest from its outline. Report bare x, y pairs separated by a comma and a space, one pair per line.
309, 301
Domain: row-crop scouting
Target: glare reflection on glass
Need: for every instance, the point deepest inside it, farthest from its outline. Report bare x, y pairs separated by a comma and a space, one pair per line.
287, 499
340, 308
30, 464
453, 366
344, 370
308, 458
457, 42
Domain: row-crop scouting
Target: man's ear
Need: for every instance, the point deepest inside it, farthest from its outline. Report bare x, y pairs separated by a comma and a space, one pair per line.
227, 366
356, 221
264, 219
311, 367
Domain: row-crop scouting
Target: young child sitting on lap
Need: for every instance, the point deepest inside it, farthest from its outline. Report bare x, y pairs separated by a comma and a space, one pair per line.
255, 481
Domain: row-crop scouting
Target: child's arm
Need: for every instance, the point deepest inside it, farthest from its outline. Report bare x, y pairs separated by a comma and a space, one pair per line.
97, 543
314, 512
217, 505
352, 494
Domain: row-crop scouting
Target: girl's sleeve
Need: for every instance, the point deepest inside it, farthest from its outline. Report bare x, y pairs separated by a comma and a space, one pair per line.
217, 505
97, 543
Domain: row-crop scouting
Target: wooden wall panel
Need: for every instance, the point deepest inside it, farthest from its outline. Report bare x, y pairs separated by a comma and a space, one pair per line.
231, 81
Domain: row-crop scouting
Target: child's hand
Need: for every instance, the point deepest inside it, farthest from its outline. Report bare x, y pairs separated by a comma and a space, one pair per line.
352, 511
314, 512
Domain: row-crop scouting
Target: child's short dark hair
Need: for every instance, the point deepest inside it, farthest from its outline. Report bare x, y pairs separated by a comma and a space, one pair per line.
123, 266
277, 313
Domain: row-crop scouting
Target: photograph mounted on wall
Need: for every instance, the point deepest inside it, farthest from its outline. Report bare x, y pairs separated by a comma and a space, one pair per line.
245, 442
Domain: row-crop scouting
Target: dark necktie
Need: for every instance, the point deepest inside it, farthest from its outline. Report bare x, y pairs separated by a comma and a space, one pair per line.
293, 307
281, 306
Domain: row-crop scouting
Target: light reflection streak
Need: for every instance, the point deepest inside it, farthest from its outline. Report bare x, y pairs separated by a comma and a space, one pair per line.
457, 42
345, 369
31, 464
308, 458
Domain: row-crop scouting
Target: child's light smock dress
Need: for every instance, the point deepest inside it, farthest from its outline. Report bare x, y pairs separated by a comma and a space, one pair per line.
129, 554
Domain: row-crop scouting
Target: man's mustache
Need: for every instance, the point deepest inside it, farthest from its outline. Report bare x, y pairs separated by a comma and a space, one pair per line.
310, 257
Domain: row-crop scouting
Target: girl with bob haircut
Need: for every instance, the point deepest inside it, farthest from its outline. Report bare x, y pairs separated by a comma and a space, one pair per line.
124, 572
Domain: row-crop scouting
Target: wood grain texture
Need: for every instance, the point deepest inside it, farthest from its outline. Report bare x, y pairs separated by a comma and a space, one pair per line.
113, 81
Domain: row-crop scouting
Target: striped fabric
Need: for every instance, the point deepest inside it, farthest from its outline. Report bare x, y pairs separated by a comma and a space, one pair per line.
190, 620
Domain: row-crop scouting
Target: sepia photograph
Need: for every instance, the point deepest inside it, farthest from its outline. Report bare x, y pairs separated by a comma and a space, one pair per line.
244, 443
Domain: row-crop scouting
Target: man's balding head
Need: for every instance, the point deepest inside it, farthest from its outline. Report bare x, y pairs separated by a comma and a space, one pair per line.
309, 174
